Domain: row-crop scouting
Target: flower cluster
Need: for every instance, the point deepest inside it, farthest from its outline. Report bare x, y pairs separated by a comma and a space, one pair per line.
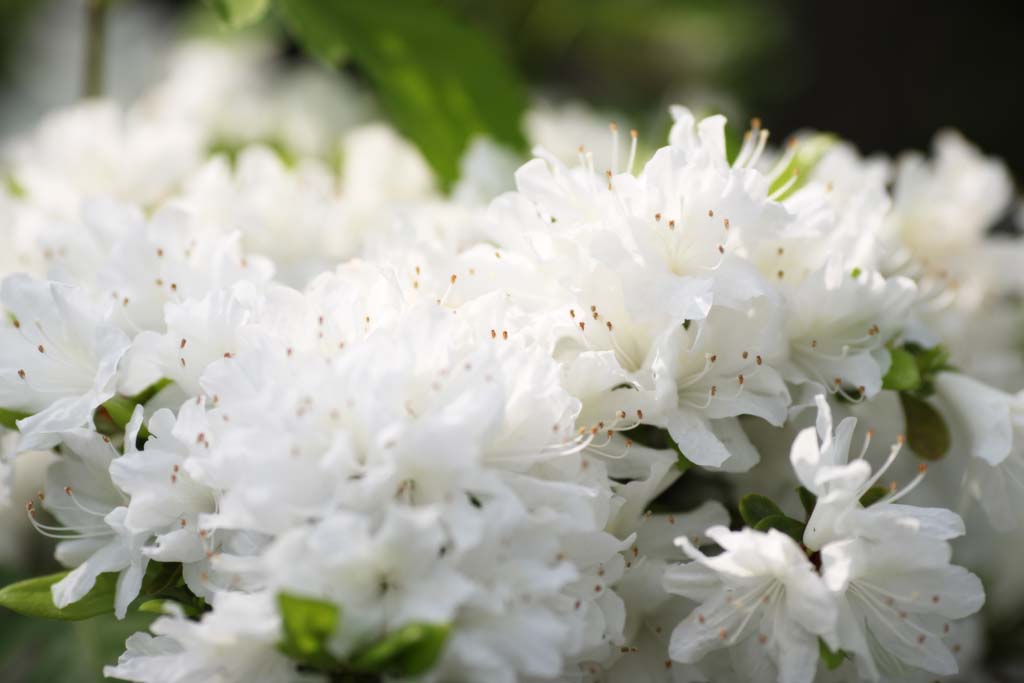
342, 424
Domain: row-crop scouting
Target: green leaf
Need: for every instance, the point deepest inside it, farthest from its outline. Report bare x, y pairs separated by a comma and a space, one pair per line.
442, 82
927, 432
410, 651
831, 659
809, 152
807, 499
240, 13
14, 187
903, 374
9, 418
873, 495
787, 525
755, 507
307, 624
32, 597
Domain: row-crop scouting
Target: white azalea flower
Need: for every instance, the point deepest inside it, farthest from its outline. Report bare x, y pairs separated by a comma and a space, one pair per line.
946, 204
897, 597
198, 332
165, 502
58, 358
94, 149
293, 216
711, 373
993, 424
232, 644
94, 537
142, 264
839, 482
838, 321
761, 597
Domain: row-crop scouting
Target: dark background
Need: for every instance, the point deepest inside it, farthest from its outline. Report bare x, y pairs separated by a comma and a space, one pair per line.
885, 75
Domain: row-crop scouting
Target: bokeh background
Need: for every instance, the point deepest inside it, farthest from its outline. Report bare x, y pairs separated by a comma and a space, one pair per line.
884, 74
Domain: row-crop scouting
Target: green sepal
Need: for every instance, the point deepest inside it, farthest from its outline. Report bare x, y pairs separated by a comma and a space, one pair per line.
306, 624
831, 659
755, 507
903, 374
410, 651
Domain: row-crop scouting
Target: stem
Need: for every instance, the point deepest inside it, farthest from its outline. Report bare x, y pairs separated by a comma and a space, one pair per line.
95, 47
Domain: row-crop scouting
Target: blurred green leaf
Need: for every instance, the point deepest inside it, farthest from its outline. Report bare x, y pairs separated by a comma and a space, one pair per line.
442, 82
903, 373
873, 495
32, 597
807, 499
755, 507
307, 624
240, 13
659, 439
409, 651
787, 525
927, 432
9, 418
809, 152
